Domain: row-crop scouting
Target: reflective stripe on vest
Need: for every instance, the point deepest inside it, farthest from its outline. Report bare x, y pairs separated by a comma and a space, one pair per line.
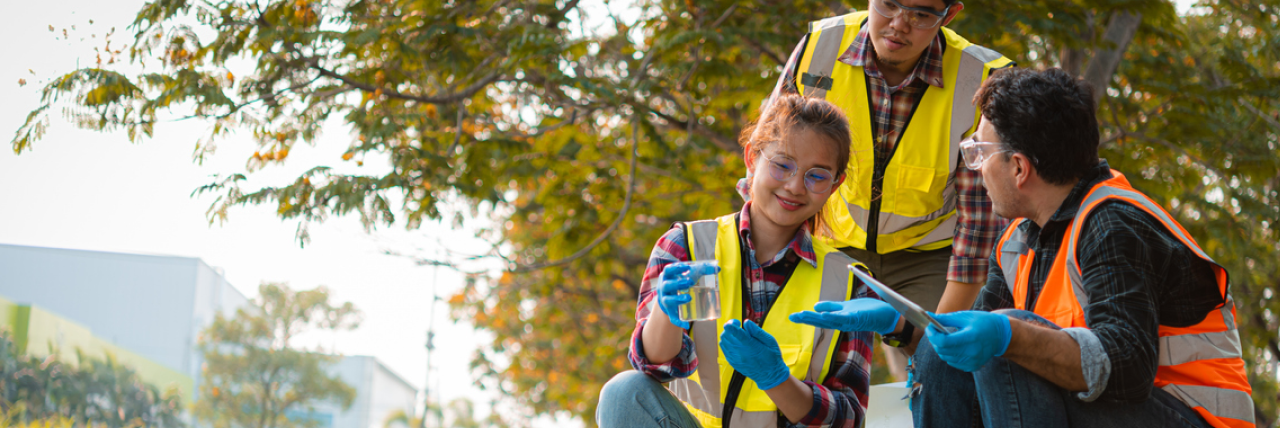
704, 392
918, 199
1201, 365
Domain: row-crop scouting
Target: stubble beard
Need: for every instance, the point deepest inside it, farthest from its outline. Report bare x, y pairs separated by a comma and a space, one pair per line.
889, 61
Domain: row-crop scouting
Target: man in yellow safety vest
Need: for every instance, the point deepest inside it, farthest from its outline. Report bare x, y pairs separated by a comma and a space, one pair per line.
909, 210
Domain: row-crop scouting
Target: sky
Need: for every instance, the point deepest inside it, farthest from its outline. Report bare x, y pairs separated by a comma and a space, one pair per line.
97, 191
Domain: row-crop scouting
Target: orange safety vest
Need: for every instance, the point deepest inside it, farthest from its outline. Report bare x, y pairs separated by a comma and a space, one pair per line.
1200, 364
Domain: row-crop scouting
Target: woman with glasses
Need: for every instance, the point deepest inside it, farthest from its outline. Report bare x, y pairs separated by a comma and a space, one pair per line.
913, 213
751, 366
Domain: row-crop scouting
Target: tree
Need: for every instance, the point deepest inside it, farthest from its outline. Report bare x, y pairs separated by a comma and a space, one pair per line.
254, 376
583, 133
97, 391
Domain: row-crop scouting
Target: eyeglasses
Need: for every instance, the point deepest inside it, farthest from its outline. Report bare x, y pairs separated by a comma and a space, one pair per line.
918, 17
817, 180
976, 152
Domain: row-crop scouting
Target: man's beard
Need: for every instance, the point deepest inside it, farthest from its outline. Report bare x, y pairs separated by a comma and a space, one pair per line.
889, 61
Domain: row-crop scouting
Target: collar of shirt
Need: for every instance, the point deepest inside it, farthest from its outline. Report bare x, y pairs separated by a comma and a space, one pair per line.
801, 245
928, 69
1071, 205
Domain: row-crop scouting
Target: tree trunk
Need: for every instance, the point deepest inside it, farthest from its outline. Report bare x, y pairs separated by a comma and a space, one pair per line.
1106, 58
1073, 59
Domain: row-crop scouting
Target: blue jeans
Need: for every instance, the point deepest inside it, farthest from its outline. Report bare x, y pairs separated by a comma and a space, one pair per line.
1003, 394
633, 399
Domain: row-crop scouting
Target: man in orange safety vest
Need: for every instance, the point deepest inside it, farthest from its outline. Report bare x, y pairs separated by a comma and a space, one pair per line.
1104, 311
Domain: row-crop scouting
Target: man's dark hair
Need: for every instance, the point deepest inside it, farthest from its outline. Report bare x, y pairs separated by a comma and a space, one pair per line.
1047, 116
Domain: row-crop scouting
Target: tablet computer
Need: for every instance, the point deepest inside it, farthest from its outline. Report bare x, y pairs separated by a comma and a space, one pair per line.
909, 310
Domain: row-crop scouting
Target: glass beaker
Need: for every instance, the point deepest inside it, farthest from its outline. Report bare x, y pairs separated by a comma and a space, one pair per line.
705, 298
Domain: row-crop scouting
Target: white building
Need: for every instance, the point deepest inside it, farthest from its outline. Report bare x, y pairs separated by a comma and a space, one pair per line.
156, 306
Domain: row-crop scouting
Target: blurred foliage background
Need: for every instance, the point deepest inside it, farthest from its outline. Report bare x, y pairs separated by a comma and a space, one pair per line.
88, 392
583, 129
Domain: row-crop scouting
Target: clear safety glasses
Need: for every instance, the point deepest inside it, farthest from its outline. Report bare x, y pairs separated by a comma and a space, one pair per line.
976, 152
817, 180
918, 17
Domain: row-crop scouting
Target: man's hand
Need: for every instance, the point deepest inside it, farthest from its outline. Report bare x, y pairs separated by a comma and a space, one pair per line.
754, 353
980, 336
864, 314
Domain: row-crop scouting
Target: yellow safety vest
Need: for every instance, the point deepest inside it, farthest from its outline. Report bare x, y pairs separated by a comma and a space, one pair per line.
714, 386
918, 198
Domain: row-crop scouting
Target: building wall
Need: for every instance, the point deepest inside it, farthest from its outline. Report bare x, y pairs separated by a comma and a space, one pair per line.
149, 310
142, 303
47, 334
388, 393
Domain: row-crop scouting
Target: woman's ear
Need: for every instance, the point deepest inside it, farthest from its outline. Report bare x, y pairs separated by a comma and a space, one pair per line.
750, 159
839, 180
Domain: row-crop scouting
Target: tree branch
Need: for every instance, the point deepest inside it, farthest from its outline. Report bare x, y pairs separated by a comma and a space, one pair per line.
1106, 59
631, 181
1072, 59
759, 47
1265, 117
555, 20
622, 215
443, 99
1180, 150
717, 139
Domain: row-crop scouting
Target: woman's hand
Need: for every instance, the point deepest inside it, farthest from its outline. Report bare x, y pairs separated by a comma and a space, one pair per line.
677, 277
754, 353
864, 314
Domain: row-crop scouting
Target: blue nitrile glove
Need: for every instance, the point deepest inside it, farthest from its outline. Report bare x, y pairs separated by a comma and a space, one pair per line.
677, 277
864, 314
754, 353
979, 336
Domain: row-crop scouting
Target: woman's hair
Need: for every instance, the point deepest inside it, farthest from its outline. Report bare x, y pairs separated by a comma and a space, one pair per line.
796, 113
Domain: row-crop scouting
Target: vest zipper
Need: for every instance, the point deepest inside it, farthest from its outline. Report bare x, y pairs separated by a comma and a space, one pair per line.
737, 379
880, 165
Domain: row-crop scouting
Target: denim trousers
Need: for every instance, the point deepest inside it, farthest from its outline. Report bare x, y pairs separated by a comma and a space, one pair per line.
633, 399
1003, 394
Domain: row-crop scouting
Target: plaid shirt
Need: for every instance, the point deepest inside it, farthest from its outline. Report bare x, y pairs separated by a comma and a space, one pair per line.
891, 106
1137, 275
841, 399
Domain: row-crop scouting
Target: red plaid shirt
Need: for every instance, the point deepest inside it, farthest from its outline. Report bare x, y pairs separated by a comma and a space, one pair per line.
841, 399
977, 228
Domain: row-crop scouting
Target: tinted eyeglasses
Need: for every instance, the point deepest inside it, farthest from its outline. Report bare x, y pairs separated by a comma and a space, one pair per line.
918, 17
817, 180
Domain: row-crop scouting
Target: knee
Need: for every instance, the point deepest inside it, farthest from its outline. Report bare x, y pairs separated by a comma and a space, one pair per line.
1028, 316
623, 387
926, 360
620, 398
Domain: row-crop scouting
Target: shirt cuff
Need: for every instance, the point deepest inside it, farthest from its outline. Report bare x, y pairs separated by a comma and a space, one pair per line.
969, 270
820, 414
1094, 362
679, 367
